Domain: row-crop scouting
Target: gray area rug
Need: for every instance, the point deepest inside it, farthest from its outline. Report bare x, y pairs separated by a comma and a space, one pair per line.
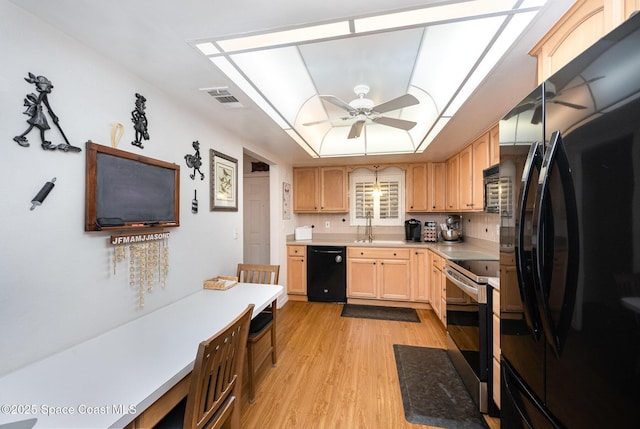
432, 391
381, 313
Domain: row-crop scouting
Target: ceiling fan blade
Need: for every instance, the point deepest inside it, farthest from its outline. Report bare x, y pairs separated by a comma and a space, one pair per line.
586, 82
573, 106
306, 124
338, 102
518, 110
396, 123
537, 115
356, 129
397, 103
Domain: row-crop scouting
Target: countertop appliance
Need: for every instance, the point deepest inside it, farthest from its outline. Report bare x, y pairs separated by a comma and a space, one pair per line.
413, 230
430, 232
303, 233
571, 356
469, 323
451, 230
327, 273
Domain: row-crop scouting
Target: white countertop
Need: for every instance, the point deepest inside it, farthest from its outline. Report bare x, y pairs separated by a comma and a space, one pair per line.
457, 250
110, 379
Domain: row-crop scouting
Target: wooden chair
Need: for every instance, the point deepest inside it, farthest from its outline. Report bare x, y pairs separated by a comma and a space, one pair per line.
263, 323
216, 381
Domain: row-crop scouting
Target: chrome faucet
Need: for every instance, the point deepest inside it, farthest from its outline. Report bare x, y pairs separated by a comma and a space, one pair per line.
369, 227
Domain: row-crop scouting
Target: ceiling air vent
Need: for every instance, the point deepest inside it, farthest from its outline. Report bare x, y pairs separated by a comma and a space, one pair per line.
224, 97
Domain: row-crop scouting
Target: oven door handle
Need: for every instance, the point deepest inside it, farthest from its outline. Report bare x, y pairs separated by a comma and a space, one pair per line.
469, 290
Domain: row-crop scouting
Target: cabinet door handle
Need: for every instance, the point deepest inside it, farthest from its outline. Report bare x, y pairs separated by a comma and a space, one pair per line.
394, 254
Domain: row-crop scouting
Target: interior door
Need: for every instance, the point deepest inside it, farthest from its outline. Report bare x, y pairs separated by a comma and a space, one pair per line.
256, 220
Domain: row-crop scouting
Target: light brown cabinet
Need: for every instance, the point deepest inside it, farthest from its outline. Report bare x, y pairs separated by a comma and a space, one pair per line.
426, 189
420, 275
453, 183
297, 270
473, 159
320, 189
437, 183
465, 179
379, 273
438, 284
580, 27
480, 162
494, 145
417, 184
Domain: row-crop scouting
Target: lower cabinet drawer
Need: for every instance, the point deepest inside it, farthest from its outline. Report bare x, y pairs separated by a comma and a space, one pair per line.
378, 253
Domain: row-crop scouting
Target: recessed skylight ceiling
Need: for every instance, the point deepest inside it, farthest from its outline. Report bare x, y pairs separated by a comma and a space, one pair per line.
438, 54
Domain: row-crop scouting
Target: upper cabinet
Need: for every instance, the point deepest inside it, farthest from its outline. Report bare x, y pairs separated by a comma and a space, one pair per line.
481, 149
581, 26
453, 182
437, 186
426, 187
417, 185
494, 145
320, 189
465, 180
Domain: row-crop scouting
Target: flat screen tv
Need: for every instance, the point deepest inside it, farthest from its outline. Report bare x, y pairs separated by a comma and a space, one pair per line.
126, 191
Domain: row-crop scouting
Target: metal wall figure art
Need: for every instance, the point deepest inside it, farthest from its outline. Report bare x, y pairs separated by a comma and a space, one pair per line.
139, 119
37, 117
195, 161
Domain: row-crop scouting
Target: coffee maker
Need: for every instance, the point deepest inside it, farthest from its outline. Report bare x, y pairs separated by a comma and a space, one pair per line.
413, 230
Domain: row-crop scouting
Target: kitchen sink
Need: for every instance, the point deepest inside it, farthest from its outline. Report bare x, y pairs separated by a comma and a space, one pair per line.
381, 241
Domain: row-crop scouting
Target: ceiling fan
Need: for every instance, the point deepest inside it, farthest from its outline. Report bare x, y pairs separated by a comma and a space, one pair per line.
363, 108
550, 95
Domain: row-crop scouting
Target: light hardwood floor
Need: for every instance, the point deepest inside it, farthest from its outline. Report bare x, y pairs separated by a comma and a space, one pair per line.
336, 372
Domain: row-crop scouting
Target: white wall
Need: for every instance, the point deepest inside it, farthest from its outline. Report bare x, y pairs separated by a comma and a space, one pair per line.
57, 285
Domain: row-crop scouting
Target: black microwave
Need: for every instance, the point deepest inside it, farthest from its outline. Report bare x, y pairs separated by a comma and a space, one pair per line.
491, 178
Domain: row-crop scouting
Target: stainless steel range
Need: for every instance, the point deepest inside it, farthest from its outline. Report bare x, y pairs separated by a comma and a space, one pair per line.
469, 323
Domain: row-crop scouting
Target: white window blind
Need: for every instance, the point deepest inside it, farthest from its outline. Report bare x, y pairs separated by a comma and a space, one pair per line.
385, 209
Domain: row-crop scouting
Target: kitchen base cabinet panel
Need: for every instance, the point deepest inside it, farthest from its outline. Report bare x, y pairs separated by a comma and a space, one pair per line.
297, 272
379, 273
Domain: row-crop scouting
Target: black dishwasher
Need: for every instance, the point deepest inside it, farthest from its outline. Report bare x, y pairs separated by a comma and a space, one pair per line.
327, 273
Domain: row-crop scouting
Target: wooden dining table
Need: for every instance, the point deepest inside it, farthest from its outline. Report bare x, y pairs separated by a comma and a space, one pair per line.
128, 374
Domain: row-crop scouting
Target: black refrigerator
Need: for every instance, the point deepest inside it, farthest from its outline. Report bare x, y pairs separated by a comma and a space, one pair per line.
571, 151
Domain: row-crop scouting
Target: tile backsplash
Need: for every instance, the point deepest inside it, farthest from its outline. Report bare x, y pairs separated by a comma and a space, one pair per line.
483, 226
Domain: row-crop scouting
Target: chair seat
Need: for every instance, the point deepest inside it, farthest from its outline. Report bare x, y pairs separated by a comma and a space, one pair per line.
260, 322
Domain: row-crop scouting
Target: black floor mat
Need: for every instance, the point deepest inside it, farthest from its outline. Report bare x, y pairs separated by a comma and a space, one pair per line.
382, 313
432, 391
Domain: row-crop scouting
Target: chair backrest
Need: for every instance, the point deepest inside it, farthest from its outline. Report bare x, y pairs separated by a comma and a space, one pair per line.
258, 273
216, 372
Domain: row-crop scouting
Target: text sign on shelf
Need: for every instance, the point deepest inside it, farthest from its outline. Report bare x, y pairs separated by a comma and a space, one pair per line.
138, 238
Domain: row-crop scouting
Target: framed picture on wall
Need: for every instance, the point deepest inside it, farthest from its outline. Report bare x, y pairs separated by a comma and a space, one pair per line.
223, 182
286, 201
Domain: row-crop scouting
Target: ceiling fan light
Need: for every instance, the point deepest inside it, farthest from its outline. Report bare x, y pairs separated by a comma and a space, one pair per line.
362, 103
